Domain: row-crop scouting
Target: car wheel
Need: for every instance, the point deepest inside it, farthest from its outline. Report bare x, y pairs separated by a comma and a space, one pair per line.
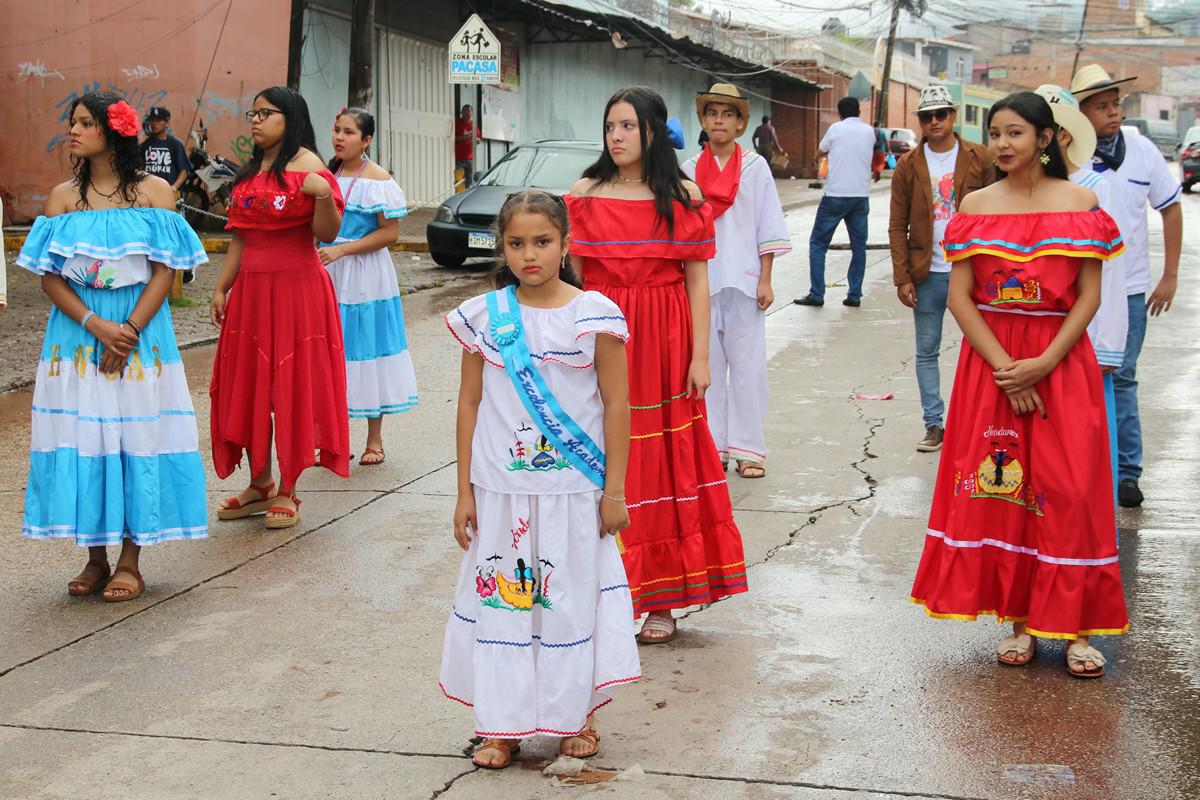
446, 260
1187, 188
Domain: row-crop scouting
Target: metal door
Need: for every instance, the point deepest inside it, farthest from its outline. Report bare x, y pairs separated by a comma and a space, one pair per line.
415, 136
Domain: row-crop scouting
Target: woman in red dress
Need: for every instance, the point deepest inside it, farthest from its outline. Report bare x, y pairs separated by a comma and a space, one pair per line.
280, 365
1022, 525
641, 236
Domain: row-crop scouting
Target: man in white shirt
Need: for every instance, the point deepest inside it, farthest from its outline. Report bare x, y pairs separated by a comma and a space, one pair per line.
751, 231
850, 145
1108, 328
1138, 177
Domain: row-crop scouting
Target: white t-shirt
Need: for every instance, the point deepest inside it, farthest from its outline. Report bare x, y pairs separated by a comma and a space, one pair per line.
851, 146
941, 185
753, 226
1143, 179
1110, 326
509, 455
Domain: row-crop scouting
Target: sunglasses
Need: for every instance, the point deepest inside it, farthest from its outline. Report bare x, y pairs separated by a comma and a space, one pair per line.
929, 116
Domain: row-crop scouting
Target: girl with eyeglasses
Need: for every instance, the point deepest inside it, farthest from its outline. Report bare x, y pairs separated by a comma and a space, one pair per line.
280, 370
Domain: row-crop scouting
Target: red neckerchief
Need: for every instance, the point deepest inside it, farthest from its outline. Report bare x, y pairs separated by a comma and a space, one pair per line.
720, 186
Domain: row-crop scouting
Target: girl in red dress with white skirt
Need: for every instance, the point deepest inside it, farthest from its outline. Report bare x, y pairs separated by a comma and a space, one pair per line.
1022, 518
643, 238
280, 365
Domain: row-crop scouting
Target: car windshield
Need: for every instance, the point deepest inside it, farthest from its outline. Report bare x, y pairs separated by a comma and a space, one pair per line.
541, 167
558, 169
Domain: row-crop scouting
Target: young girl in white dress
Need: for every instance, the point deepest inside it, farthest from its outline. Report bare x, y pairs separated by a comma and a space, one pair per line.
542, 623
379, 371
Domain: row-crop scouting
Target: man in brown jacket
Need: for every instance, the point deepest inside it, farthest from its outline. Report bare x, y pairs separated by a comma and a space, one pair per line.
928, 185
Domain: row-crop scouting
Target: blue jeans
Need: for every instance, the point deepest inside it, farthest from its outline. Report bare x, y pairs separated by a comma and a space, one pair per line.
1129, 424
832, 211
928, 316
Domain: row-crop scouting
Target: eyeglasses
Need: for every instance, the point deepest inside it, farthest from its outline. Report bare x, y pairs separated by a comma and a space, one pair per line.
261, 114
928, 116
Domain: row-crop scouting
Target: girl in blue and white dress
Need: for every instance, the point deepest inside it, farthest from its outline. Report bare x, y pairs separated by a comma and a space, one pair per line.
379, 370
114, 458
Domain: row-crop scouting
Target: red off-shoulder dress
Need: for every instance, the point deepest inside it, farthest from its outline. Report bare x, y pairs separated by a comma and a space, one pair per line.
1022, 525
682, 547
280, 352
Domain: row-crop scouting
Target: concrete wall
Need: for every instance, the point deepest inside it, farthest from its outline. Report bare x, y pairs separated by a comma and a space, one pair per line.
155, 54
565, 87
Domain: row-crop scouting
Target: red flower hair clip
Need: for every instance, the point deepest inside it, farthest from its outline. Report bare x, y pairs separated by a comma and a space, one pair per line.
123, 119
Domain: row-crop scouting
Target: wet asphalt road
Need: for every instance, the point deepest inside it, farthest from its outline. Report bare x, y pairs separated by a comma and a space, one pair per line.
303, 664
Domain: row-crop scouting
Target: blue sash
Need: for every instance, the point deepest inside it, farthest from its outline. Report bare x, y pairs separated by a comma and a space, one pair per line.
555, 424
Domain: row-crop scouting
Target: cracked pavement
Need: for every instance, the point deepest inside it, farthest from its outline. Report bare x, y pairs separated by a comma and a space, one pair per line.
302, 664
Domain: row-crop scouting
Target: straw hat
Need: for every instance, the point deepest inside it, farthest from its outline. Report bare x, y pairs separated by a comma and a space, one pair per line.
725, 93
935, 97
1068, 116
1094, 79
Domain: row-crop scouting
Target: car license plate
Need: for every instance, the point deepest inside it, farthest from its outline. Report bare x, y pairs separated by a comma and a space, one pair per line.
481, 241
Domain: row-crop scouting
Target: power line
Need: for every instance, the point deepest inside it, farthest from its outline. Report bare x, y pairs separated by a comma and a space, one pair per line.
211, 61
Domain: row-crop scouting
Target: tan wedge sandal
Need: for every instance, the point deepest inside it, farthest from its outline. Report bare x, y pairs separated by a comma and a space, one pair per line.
232, 508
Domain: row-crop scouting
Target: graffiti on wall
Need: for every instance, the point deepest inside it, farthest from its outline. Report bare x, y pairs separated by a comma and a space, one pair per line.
141, 72
37, 69
139, 98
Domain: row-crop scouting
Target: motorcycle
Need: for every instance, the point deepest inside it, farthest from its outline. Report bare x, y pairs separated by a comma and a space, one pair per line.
209, 182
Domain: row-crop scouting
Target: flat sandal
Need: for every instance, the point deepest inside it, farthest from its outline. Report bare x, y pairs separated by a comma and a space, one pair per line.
507, 748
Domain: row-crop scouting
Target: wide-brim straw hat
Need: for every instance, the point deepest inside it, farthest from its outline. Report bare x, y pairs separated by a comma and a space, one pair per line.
1094, 79
725, 93
1068, 116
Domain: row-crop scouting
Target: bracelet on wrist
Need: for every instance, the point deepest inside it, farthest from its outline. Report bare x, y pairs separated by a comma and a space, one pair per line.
84, 321
135, 326
610, 497
323, 197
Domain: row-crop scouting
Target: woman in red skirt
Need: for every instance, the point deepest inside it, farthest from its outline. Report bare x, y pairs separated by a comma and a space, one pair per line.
1022, 525
280, 367
641, 236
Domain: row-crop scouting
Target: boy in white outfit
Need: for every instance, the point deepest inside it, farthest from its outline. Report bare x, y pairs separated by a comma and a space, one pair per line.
1110, 325
751, 231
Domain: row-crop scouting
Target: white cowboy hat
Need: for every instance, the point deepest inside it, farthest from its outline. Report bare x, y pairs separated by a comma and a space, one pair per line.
935, 97
1068, 116
1094, 79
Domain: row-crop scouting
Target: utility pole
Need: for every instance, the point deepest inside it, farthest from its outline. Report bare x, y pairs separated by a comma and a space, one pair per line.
362, 53
295, 44
881, 111
1079, 40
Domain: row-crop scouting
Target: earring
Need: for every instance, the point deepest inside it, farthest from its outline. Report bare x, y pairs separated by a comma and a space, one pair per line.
1044, 158
562, 266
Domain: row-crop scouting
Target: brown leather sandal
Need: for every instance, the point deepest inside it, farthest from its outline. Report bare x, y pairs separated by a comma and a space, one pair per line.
82, 585
286, 517
507, 748
589, 735
371, 451
110, 595
751, 469
233, 508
